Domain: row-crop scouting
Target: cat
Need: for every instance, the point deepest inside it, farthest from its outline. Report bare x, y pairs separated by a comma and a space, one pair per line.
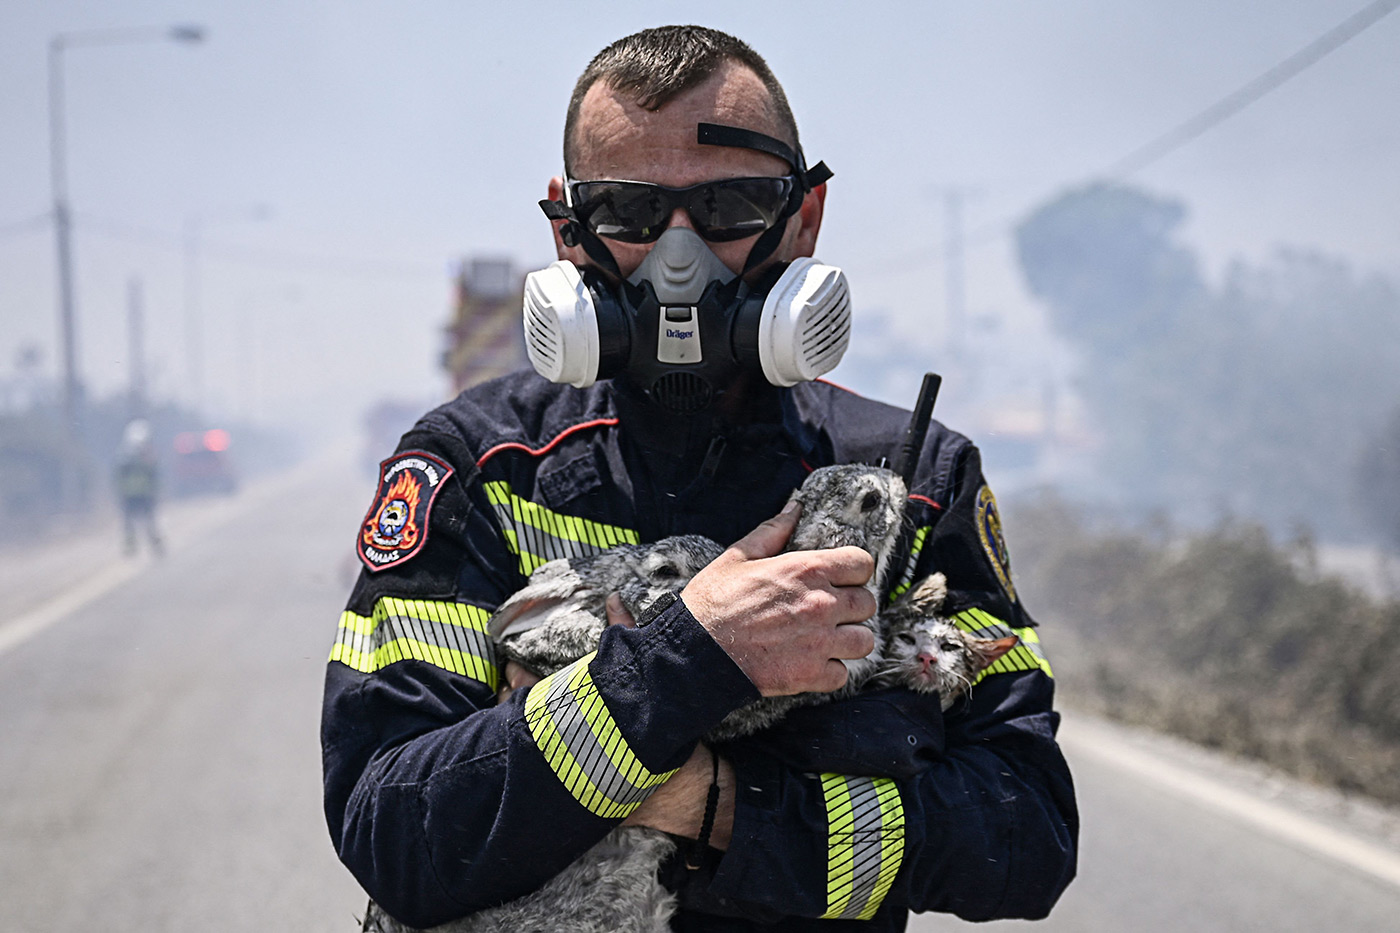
928, 653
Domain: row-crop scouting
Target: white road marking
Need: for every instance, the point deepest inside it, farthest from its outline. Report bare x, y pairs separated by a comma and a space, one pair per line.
1085, 738
15, 632
19, 630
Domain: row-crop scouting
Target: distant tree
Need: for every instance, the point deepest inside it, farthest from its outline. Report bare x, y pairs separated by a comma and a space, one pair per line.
1103, 260
1377, 488
1249, 398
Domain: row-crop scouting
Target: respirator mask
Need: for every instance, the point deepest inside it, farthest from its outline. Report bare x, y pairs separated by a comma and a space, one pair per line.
683, 327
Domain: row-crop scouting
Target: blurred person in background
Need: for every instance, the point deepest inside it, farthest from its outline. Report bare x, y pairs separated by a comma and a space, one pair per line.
672, 395
137, 481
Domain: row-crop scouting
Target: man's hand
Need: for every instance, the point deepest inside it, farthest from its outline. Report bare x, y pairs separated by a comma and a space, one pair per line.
786, 619
678, 806
514, 677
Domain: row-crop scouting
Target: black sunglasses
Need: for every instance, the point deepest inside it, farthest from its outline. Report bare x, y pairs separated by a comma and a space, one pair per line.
639, 212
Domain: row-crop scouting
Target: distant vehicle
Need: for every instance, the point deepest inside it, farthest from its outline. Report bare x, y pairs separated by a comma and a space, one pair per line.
202, 464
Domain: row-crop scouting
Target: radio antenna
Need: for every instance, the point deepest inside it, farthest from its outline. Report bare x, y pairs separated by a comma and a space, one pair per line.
914, 436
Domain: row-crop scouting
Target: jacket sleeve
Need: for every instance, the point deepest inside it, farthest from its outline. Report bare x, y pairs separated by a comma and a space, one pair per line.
438, 800
882, 803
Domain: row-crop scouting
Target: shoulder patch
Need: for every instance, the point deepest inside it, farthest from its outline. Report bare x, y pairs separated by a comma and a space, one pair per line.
993, 542
396, 526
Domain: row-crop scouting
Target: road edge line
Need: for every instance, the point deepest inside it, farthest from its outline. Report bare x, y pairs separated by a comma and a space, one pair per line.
1278, 821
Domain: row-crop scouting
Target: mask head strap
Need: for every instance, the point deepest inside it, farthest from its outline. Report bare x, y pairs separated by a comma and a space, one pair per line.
715, 134
574, 233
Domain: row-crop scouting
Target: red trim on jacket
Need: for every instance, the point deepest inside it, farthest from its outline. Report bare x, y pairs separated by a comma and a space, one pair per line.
541, 451
926, 499
837, 385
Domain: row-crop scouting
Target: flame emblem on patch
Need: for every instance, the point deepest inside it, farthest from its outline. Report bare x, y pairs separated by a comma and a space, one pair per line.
393, 526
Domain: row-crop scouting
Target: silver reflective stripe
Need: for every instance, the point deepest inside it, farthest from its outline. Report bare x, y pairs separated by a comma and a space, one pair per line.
536, 534
865, 843
576, 734
916, 547
448, 635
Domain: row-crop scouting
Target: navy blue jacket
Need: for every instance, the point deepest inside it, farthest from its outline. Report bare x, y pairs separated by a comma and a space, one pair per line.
848, 815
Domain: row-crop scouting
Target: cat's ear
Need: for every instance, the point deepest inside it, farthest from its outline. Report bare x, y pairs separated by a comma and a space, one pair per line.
986, 651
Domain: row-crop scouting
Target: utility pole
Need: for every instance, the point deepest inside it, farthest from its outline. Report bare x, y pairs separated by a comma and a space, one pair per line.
194, 334
62, 224
136, 348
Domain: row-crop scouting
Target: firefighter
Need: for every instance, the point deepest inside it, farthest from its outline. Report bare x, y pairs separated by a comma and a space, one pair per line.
137, 481
674, 392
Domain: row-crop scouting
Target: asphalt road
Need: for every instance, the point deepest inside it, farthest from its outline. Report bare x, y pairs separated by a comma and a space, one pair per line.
159, 763
160, 766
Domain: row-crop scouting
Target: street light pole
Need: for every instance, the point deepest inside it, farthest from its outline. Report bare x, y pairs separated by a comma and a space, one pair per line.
194, 334
58, 176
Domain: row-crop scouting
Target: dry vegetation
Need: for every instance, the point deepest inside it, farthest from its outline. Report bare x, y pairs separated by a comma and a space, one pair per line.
1223, 638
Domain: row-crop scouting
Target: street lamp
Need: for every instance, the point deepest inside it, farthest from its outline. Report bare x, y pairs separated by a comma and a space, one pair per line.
62, 213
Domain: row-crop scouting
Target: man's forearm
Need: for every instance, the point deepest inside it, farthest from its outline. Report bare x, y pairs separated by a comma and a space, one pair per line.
678, 806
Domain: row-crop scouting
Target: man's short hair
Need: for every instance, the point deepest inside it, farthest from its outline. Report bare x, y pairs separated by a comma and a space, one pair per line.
657, 64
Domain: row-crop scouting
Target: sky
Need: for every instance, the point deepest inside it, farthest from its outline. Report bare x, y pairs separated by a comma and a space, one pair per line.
338, 159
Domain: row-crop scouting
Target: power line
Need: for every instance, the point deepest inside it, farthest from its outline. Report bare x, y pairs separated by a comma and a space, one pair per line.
286, 260
1205, 120
1233, 103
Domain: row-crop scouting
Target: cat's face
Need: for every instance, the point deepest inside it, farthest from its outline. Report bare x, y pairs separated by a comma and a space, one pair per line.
932, 655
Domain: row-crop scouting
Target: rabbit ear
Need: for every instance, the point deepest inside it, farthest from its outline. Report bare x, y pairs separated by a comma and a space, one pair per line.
531, 606
521, 613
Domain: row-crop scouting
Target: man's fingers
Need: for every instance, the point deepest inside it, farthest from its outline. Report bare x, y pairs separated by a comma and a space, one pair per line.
856, 604
845, 566
833, 677
617, 613
513, 678
852, 641
770, 537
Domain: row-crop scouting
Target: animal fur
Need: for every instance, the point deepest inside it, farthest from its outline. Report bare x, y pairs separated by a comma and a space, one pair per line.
559, 615
611, 888
927, 652
844, 505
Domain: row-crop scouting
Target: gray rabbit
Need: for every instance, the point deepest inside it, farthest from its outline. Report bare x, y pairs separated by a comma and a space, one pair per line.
558, 617
848, 504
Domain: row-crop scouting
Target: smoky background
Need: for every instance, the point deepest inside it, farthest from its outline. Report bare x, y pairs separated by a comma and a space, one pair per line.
1153, 249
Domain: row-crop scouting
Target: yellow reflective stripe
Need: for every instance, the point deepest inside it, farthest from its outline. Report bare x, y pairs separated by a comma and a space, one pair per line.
576, 734
448, 635
536, 534
1028, 655
865, 843
916, 548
